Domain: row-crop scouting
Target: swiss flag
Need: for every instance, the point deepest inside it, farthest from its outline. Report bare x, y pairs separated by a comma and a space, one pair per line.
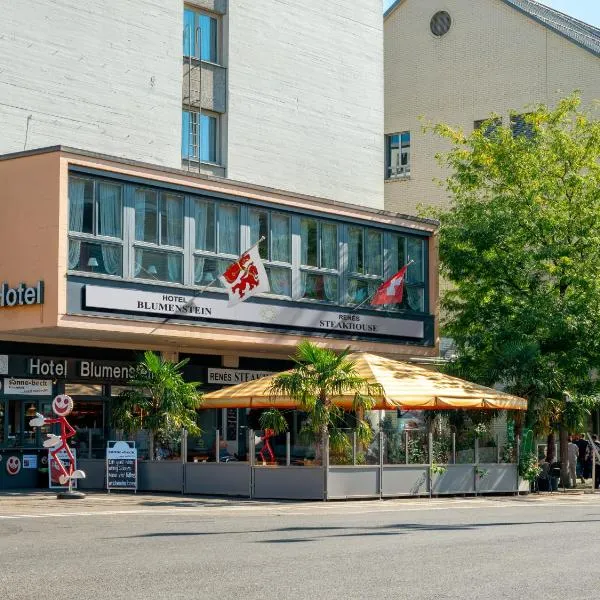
246, 277
392, 290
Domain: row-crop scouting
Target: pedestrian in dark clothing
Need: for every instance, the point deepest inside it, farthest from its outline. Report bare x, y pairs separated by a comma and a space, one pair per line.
582, 470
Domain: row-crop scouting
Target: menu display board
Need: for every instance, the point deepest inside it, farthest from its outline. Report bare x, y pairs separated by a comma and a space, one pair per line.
54, 471
121, 466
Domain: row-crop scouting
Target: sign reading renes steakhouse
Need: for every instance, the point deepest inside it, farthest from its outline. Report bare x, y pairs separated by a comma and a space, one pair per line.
215, 309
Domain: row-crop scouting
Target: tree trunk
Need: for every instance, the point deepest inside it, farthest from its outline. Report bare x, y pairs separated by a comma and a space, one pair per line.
550, 448
564, 457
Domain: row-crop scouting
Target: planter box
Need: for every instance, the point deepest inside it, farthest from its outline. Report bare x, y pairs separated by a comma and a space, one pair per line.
218, 479
353, 482
160, 476
405, 480
95, 473
498, 478
289, 483
457, 479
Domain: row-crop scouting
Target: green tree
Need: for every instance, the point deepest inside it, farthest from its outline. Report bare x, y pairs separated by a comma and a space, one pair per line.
159, 400
520, 245
319, 375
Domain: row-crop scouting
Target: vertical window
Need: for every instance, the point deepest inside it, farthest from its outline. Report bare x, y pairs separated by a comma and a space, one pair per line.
319, 257
365, 263
522, 126
217, 239
158, 235
488, 126
405, 249
275, 249
95, 226
397, 155
200, 35
199, 136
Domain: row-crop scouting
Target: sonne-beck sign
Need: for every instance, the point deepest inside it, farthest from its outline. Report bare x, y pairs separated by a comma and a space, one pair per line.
344, 322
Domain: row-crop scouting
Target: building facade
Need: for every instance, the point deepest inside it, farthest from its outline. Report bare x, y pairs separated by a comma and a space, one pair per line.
457, 62
248, 84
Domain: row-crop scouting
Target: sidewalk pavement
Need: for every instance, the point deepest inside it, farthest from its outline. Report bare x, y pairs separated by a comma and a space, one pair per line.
44, 502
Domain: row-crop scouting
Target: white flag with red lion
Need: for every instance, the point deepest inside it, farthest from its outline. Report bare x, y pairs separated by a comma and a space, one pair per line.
246, 277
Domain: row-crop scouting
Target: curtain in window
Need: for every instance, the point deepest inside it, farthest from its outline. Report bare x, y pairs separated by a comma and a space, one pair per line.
351, 290
76, 201
355, 249
109, 205
331, 288
173, 207
279, 280
329, 246
280, 237
254, 222
373, 253
200, 219
415, 298
229, 229
140, 214
414, 250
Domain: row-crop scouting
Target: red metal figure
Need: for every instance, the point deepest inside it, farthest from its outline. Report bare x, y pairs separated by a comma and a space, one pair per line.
62, 406
267, 435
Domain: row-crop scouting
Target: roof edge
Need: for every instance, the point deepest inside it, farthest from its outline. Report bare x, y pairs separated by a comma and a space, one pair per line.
392, 8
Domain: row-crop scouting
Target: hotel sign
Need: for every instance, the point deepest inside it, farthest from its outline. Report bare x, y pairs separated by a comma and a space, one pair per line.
22, 295
207, 310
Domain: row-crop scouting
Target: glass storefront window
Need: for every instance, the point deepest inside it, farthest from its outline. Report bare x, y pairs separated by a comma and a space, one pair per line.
83, 389
2, 420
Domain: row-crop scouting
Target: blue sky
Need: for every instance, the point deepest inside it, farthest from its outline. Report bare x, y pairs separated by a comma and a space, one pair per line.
585, 10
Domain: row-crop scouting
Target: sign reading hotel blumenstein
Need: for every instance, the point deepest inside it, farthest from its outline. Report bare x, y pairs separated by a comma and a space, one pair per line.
216, 309
22, 295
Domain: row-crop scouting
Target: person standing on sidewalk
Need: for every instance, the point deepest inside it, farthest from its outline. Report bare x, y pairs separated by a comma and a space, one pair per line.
594, 457
582, 469
573, 456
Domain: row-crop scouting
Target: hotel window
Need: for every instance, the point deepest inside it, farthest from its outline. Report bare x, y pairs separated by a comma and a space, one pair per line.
521, 126
488, 126
275, 249
365, 263
397, 155
158, 252
200, 35
217, 239
319, 274
95, 226
199, 142
403, 250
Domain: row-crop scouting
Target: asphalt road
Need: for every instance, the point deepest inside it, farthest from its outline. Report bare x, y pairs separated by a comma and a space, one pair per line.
168, 548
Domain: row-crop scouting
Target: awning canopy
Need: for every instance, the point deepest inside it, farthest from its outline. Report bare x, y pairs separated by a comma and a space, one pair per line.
404, 386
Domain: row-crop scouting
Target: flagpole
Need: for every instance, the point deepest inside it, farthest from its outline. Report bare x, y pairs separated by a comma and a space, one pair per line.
410, 262
203, 289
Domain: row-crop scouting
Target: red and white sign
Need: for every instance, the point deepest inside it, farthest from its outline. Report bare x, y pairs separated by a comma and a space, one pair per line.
54, 471
392, 290
13, 465
246, 277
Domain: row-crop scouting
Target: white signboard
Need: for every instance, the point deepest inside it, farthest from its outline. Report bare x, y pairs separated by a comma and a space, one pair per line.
29, 387
342, 322
121, 465
30, 461
233, 376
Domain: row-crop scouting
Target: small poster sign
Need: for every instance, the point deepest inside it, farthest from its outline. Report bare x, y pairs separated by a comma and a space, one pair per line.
121, 466
30, 461
54, 472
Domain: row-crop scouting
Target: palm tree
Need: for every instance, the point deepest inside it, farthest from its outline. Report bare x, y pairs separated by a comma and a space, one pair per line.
159, 400
319, 376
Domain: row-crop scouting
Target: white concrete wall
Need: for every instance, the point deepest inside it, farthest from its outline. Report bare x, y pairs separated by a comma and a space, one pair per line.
99, 75
493, 59
306, 97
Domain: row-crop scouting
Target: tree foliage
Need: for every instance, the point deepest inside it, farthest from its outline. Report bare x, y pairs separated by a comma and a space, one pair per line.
520, 245
159, 400
319, 375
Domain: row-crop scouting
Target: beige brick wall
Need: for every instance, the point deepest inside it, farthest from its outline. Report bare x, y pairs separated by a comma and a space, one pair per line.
493, 59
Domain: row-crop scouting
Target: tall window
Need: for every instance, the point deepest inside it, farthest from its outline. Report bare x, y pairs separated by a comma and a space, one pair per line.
199, 136
403, 250
522, 126
319, 268
365, 263
397, 155
95, 226
200, 35
158, 235
217, 239
275, 249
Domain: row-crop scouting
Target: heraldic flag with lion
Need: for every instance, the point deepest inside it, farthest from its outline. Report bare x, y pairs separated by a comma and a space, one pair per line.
246, 277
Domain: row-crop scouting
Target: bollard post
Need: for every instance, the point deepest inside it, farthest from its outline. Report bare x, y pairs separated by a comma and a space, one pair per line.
430, 452
406, 446
89, 443
217, 442
498, 448
354, 447
287, 449
325, 465
454, 447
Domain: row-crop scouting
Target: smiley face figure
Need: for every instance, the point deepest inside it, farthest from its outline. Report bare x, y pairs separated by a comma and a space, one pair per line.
13, 465
62, 405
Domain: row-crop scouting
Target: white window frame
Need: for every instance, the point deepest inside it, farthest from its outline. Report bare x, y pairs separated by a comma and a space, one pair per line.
398, 171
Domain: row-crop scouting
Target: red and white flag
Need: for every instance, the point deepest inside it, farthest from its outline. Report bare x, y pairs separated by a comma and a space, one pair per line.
246, 277
392, 290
